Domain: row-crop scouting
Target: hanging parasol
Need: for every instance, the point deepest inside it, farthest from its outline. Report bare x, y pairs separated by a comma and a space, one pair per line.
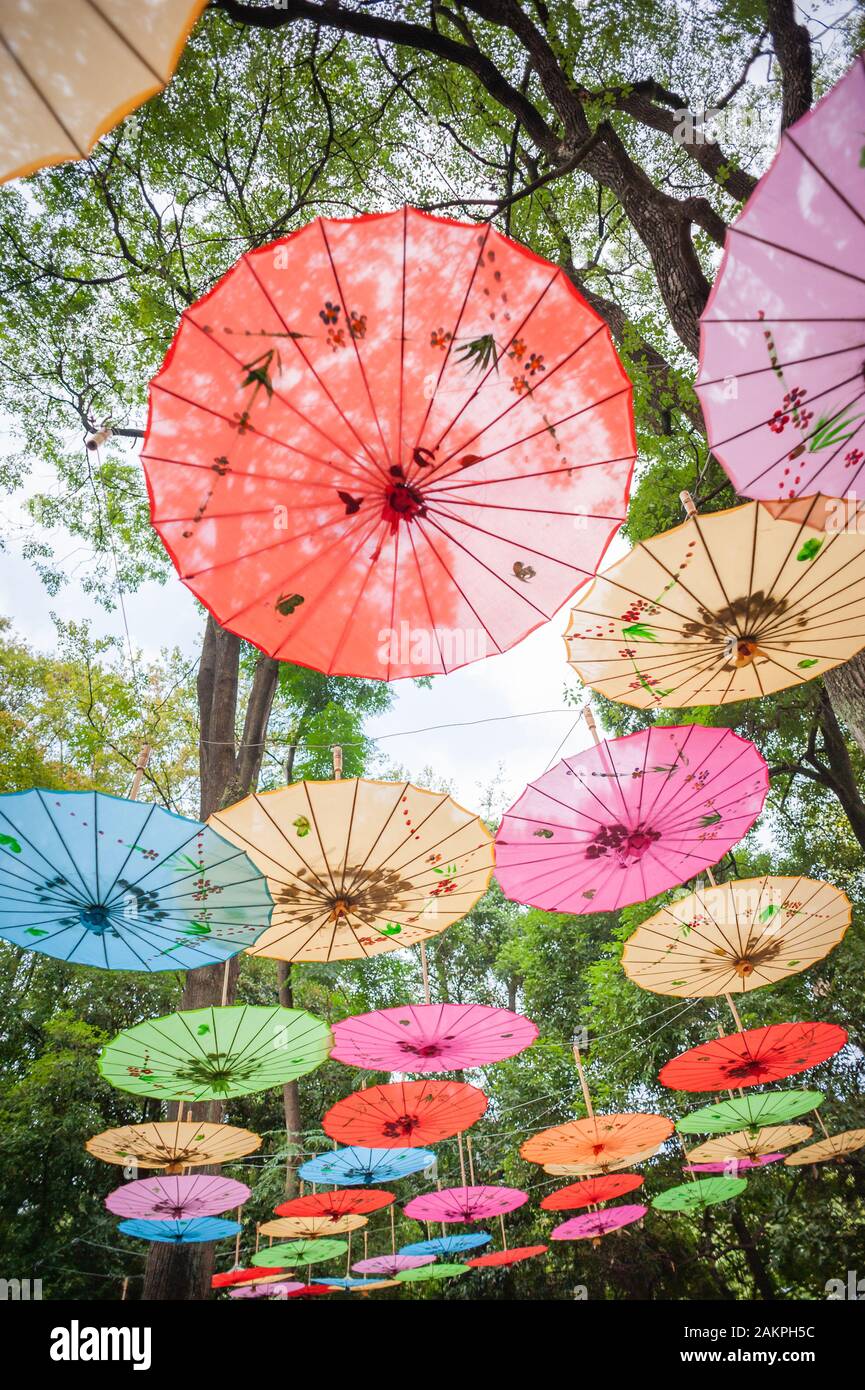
173, 1145
368, 1286
507, 1257
177, 1198
405, 1113
749, 1143
624, 820
591, 1192
732, 1166
372, 445
358, 867
699, 1193
290, 1254
335, 1205
728, 606
365, 1167
311, 1227
753, 1057
67, 79
98, 880
734, 937
780, 377
831, 1146
435, 1271
447, 1245
275, 1288
431, 1037
194, 1232
465, 1203
750, 1112
594, 1224
215, 1053
390, 1266
599, 1140
590, 1169
230, 1277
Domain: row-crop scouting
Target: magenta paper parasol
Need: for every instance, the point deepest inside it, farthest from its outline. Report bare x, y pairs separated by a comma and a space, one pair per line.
465, 1203
389, 1266
783, 333
431, 1037
593, 1224
278, 1289
167, 1198
731, 1166
632, 816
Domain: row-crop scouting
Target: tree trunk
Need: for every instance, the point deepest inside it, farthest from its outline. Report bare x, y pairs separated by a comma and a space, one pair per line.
846, 688
291, 1090
759, 1271
227, 774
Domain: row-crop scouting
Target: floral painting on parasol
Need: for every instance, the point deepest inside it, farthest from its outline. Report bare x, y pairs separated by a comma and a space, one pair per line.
431, 1037
752, 1057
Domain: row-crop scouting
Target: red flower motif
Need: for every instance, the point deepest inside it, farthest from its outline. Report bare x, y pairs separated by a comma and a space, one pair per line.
778, 421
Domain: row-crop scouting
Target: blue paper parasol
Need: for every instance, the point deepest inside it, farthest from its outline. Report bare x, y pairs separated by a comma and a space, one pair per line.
352, 1167
197, 1229
446, 1245
123, 885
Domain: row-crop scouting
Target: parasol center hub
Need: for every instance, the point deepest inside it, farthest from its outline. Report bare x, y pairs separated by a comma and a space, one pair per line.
94, 918
425, 1050
742, 651
743, 968
400, 1127
341, 908
403, 502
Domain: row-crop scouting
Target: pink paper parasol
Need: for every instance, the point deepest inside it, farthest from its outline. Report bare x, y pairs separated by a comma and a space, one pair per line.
731, 1166
431, 1037
783, 333
594, 1224
283, 1289
632, 816
162, 1198
391, 1265
465, 1203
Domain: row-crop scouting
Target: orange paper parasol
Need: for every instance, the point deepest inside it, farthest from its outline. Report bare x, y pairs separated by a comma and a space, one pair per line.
405, 1114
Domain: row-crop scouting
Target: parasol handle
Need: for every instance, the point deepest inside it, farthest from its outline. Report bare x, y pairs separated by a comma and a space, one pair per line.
336, 754
348, 1257
143, 759
734, 1011
819, 1118
589, 718
225, 982
693, 1176
504, 1237
123, 1290
462, 1159
711, 877
585, 1085
471, 1160
237, 1242
424, 966
688, 503
392, 1230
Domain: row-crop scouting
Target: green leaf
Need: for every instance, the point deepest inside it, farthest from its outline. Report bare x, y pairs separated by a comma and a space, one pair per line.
640, 632
810, 549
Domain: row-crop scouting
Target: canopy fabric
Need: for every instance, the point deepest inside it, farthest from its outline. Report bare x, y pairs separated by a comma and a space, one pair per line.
311, 1227
834, 1146
102, 881
391, 1266
620, 822
752, 1057
784, 319
447, 1245
177, 1198
193, 1232
596, 1169
216, 1053
431, 1037
403, 1114
363, 1167
335, 1205
699, 1193
275, 1288
729, 606
601, 1139
737, 936
173, 1146
290, 1254
732, 1166
594, 1224
434, 1271
507, 1257
228, 1278
750, 1112
70, 72
359, 867
371, 446
749, 1143
465, 1203
590, 1192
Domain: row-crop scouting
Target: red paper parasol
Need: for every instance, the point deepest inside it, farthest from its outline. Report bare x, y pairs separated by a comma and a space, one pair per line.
594, 1224
752, 1057
404, 1114
342, 1202
245, 1276
389, 445
431, 1037
591, 1192
465, 1203
507, 1257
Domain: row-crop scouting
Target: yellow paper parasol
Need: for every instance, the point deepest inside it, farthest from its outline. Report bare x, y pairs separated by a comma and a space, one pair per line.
72, 69
593, 1170
733, 937
598, 1142
311, 1227
749, 1143
833, 1146
358, 867
173, 1145
728, 606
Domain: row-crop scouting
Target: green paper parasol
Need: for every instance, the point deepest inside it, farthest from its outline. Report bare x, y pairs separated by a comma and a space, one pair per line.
438, 1271
749, 1112
702, 1192
291, 1253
